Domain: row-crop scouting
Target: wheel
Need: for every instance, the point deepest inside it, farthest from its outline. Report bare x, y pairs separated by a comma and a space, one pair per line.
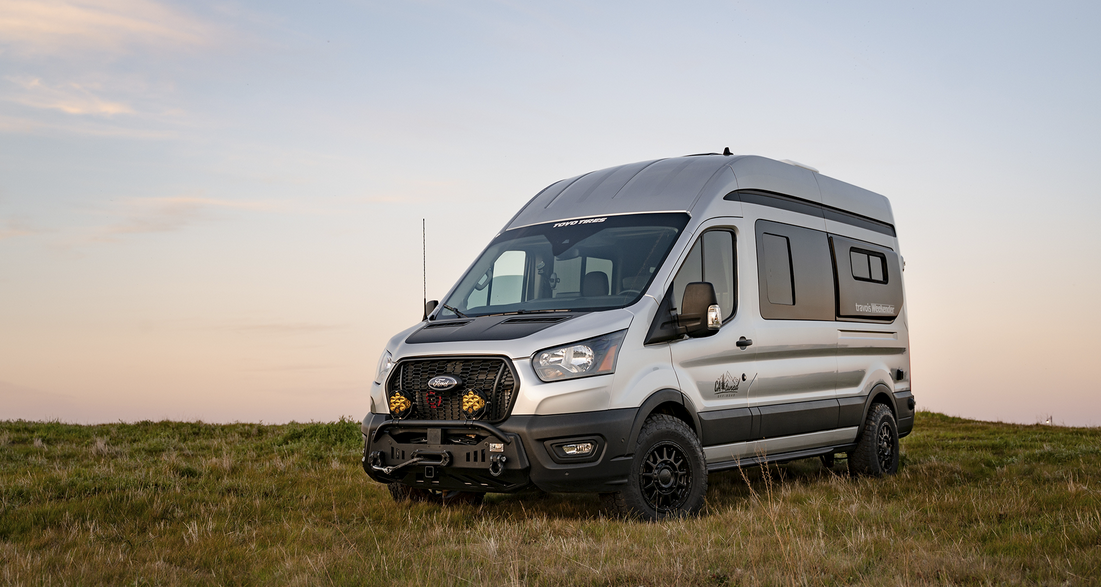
877, 452
828, 460
668, 475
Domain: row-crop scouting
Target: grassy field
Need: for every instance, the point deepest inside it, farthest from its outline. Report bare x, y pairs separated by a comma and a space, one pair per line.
190, 503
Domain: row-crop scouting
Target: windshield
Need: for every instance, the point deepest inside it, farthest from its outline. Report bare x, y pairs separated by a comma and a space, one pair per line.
593, 263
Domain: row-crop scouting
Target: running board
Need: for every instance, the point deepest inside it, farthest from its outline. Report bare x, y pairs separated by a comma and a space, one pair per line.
754, 460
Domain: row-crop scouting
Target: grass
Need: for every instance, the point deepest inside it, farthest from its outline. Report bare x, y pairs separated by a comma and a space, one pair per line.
152, 503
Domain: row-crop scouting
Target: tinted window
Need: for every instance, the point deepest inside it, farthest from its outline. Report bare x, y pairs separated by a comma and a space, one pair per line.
779, 286
868, 266
872, 288
795, 272
712, 260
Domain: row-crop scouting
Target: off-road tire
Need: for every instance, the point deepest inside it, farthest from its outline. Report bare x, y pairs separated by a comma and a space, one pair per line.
876, 453
668, 476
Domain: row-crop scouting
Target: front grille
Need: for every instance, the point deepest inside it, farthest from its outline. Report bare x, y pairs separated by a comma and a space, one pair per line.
492, 376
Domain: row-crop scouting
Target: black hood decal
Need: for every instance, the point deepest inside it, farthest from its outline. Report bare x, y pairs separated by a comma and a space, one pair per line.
486, 328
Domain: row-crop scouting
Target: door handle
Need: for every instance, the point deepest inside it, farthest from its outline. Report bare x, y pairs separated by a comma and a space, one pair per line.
744, 342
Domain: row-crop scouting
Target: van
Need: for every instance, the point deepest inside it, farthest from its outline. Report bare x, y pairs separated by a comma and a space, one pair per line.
631, 330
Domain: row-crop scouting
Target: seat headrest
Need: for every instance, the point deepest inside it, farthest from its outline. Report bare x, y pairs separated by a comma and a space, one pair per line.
595, 284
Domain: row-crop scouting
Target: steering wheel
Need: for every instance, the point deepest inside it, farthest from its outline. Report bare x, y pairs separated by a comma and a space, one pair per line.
629, 292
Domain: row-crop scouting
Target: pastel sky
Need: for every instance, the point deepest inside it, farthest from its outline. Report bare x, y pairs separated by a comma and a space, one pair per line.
213, 210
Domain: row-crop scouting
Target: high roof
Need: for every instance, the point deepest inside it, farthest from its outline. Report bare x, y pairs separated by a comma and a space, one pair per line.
677, 184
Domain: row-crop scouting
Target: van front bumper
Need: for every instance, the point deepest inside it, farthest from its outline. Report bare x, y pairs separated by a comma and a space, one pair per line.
520, 452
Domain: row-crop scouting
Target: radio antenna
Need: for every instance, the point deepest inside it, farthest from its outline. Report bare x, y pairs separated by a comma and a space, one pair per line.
424, 265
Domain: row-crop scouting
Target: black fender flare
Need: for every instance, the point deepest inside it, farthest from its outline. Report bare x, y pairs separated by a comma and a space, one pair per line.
883, 394
658, 398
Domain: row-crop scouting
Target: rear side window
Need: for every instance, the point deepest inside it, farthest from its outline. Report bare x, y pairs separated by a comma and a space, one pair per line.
795, 272
869, 285
868, 266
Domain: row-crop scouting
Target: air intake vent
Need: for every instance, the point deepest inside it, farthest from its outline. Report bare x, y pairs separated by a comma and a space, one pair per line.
451, 324
536, 319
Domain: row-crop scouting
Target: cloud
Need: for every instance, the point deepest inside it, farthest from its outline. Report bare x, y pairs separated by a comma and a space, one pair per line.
168, 214
14, 227
70, 98
65, 27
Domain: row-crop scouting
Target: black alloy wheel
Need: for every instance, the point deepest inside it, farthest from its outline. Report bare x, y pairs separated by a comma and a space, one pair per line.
666, 477
885, 446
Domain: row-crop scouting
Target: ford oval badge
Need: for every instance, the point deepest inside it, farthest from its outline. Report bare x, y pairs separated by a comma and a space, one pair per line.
443, 382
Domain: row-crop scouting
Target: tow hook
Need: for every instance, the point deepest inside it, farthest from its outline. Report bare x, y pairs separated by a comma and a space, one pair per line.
497, 465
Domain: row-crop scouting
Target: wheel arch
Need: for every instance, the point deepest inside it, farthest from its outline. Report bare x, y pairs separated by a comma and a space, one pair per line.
665, 401
880, 394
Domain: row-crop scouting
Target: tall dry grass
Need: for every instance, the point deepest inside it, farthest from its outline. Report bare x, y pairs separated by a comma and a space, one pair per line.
189, 503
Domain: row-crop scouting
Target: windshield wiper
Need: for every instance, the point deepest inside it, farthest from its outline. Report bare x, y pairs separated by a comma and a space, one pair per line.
457, 313
515, 312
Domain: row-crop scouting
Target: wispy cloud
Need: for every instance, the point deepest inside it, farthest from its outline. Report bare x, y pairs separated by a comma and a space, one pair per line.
71, 98
89, 126
61, 27
168, 214
14, 227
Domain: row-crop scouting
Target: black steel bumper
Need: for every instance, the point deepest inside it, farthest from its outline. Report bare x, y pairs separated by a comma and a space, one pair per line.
510, 456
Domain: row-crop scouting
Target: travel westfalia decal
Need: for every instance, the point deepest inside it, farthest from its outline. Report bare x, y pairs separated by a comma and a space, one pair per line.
876, 308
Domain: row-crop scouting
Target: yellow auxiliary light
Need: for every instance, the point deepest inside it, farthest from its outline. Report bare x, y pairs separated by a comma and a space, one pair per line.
400, 406
474, 404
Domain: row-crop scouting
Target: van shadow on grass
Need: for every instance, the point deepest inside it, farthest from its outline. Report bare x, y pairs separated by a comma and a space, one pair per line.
730, 489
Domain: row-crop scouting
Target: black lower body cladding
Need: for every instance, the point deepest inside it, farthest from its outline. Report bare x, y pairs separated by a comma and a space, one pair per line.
459, 455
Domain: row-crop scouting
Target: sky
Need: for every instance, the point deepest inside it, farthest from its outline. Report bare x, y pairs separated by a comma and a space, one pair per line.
212, 211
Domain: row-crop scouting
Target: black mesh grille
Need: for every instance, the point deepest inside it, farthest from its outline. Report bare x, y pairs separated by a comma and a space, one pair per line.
492, 376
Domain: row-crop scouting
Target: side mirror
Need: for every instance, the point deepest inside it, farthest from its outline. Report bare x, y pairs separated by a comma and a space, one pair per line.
700, 314
428, 307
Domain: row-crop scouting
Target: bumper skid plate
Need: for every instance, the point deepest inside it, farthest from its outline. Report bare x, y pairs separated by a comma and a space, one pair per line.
457, 455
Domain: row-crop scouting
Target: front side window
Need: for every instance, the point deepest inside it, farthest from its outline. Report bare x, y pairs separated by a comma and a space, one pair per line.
587, 264
712, 260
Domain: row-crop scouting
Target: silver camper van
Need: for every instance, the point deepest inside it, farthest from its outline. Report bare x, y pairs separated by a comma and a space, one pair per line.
632, 329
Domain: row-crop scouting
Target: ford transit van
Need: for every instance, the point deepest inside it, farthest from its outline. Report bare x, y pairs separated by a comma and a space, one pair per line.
631, 330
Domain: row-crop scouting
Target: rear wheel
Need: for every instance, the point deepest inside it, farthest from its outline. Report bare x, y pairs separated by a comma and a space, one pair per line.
668, 476
877, 452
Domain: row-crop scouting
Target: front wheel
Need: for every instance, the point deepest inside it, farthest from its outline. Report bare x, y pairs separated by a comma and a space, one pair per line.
877, 452
668, 475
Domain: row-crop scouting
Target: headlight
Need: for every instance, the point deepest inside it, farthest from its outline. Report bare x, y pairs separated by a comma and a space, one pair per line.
596, 356
385, 363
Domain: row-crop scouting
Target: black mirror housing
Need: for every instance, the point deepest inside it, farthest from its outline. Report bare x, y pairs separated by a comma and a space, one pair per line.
428, 307
698, 297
